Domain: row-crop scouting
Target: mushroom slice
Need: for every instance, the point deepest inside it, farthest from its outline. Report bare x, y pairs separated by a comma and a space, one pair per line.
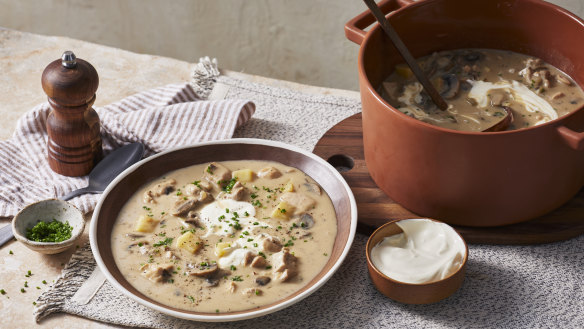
262, 280
306, 221
182, 207
312, 187
217, 174
450, 86
203, 269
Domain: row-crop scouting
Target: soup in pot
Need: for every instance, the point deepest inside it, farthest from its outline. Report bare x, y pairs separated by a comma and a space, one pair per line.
486, 90
222, 237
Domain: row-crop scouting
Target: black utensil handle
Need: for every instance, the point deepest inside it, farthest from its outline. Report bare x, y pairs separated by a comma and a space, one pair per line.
6, 234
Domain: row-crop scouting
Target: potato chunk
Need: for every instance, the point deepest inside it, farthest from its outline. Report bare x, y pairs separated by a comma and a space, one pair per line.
289, 187
243, 175
189, 242
283, 211
146, 224
221, 248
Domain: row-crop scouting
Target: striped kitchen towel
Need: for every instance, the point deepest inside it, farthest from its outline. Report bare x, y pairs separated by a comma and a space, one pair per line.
160, 118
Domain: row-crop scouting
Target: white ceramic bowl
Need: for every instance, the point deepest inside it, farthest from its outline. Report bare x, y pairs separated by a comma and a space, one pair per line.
124, 186
47, 210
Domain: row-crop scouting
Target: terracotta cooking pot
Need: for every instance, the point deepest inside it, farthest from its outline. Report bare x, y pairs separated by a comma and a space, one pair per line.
466, 178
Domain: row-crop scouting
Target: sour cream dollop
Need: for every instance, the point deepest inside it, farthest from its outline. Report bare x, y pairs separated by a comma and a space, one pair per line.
426, 251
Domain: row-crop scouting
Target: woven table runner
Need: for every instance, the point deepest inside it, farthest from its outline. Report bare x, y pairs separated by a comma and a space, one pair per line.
505, 286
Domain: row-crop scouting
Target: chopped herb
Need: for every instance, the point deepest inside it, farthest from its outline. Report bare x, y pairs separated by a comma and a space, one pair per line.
246, 214
217, 311
162, 213
233, 268
10, 252
257, 292
44, 281
256, 223
227, 210
146, 208
237, 226
229, 185
283, 210
209, 170
2, 291
222, 217
164, 242
253, 195
39, 288
289, 243
34, 303
325, 254
29, 273
262, 254
53, 231
249, 240
171, 280
245, 233
237, 278
498, 114
256, 203
191, 298
255, 245
268, 267
26, 284
196, 183
22, 290
235, 214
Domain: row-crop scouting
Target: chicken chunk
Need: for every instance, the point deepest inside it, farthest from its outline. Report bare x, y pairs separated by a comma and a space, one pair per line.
236, 193
217, 174
204, 269
165, 187
157, 273
285, 265
258, 261
250, 292
269, 172
300, 201
270, 244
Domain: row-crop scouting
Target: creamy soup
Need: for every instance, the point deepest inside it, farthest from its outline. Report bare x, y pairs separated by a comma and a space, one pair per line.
222, 237
486, 90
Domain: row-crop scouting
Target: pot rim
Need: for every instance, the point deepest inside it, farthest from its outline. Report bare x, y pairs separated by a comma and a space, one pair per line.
376, 28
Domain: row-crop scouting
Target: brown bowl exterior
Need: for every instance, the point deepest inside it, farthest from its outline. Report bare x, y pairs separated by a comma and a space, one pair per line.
120, 191
409, 293
465, 178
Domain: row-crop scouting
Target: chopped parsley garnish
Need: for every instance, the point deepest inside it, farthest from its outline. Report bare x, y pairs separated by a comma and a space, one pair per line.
164, 242
209, 170
191, 298
237, 226
196, 183
256, 203
146, 208
233, 268
249, 240
289, 243
229, 186
237, 278
10, 252
2, 291
256, 223
253, 195
44, 281
246, 214
268, 267
262, 254
53, 231
222, 217
283, 210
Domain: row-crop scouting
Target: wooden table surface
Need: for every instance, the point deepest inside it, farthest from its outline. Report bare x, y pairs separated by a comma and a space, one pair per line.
23, 57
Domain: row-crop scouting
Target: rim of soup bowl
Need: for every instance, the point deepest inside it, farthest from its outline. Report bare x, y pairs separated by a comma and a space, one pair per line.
245, 314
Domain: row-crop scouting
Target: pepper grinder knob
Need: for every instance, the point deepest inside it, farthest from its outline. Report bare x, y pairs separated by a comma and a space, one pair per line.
74, 145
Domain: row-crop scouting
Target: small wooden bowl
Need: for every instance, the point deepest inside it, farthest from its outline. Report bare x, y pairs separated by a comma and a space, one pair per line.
411, 293
46, 210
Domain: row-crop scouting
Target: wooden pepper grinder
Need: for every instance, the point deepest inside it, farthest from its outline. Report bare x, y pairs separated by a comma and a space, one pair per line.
74, 145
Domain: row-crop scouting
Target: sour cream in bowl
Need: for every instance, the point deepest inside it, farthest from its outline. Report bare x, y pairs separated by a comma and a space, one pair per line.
416, 261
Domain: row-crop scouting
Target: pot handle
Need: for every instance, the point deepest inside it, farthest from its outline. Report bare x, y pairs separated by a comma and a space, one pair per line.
354, 29
574, 139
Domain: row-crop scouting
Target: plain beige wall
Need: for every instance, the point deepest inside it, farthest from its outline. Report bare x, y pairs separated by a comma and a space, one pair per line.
296, 40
